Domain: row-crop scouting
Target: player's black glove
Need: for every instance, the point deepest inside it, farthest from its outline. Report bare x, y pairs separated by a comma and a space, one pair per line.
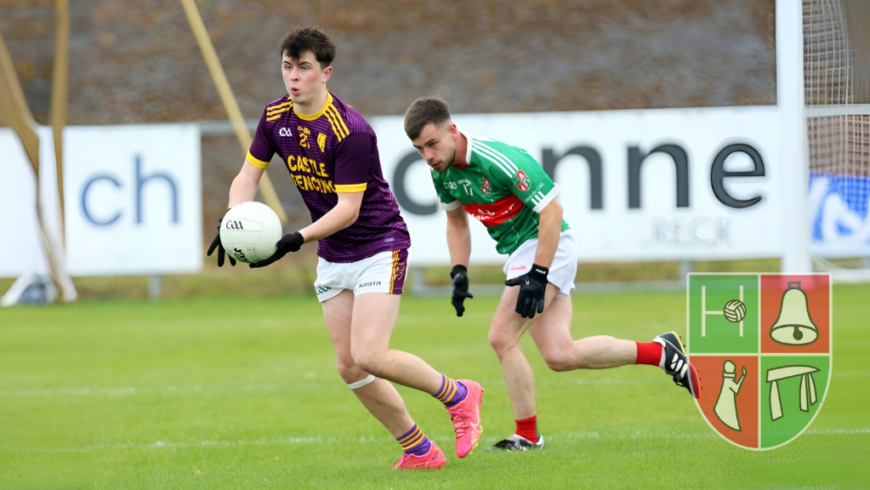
459, 274
287, 243
216, 244
533, 286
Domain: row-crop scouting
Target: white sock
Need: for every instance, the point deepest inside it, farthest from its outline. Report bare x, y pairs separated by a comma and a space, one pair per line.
662, 361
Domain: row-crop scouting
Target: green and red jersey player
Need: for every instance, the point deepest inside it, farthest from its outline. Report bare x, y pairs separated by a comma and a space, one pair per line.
508, 191
502, 186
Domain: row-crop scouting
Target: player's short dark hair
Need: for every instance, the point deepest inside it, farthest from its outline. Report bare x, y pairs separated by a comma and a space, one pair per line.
424, 111
313, 39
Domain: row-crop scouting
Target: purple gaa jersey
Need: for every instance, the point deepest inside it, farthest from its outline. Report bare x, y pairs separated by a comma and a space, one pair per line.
334, 150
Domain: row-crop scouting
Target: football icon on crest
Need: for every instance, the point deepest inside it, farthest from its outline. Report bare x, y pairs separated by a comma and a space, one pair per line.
734, 311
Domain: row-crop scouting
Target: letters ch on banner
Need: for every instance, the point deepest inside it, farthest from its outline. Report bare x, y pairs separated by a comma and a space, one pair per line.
138, 186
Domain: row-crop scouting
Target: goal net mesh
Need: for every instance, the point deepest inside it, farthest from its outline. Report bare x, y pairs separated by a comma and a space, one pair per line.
837, 95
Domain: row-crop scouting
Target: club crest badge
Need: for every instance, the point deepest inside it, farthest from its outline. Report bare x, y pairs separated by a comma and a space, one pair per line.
523, 182
321, 142
485, 187
762, 345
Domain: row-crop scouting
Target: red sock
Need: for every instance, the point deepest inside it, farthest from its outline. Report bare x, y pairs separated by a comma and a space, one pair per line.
528, 428
649, 353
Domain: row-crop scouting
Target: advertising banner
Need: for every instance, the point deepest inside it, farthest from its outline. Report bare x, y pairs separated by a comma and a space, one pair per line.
661, 184
132, 196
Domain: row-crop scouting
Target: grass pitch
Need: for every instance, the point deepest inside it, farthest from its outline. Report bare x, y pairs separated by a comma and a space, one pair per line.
243, 393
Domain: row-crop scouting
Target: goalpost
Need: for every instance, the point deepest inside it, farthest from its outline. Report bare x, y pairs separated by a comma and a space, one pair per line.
15, 114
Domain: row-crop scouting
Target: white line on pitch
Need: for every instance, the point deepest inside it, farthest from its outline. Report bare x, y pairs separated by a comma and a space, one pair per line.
132, 390
283, 441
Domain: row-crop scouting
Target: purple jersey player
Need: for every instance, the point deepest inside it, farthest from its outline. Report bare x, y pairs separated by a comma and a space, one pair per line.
331, 152
332, 156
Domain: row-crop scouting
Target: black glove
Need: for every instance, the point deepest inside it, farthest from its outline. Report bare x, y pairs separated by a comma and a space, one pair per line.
533, 286
216, 244
459, 274
287, 243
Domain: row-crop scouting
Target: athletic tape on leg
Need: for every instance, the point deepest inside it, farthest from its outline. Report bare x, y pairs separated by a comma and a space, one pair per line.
359, 384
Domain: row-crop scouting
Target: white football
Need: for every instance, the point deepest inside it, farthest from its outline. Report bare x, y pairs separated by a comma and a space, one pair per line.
250, 232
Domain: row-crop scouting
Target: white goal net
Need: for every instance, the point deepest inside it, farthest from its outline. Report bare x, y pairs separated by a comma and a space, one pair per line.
837, 94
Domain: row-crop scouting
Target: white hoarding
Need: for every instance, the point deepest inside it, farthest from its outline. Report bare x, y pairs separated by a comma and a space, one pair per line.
663, 184
132, 198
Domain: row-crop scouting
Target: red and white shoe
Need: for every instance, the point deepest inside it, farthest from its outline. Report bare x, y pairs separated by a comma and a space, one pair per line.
466, 418
432, 460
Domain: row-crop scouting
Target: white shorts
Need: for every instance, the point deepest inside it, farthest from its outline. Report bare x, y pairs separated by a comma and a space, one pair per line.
563, 270
381, 273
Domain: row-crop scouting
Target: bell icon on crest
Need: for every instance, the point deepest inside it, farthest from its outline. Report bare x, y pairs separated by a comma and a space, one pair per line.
794, 325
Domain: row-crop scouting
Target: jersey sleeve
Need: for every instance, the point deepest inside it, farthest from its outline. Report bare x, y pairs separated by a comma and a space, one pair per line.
262, 148
447, 202
523, 176
353, 162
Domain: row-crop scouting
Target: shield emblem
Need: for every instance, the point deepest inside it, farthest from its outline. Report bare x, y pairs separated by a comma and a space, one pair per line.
762, 345
523, 181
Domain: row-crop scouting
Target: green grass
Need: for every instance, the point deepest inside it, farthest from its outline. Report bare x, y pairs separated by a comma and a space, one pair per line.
243, 393
296, 276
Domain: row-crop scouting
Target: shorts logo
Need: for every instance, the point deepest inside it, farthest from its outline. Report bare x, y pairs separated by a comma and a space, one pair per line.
369, 284
321, 142
520, 268
321, 289
400, 270
523, 182
285, 132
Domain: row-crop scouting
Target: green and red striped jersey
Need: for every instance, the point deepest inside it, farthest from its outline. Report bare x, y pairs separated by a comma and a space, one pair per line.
503, 187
